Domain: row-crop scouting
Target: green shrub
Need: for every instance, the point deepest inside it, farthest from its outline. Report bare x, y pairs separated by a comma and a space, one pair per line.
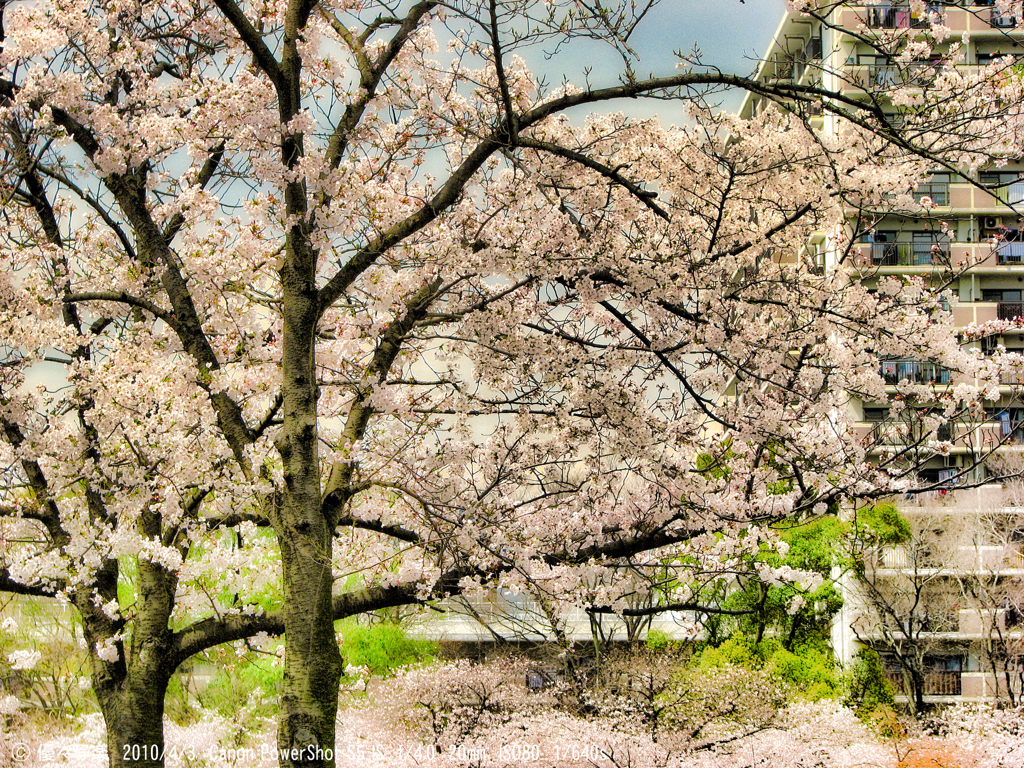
382, 648
734, 652
657, 640
807, 670
869, 689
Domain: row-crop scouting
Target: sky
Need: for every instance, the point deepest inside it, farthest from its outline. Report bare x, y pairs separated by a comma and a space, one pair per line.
731, 34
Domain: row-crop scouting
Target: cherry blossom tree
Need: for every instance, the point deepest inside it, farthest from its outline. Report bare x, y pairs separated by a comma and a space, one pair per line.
457, 713
344, 297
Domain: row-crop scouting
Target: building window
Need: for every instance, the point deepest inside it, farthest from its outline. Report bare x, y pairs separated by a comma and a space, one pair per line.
1007, 186
914, 371
876, 414
936, 188
1011, 424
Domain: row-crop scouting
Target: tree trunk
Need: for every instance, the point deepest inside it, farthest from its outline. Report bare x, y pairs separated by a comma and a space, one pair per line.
917, 681
1007, 676
312, 670
312, 667
133, 713
131, 686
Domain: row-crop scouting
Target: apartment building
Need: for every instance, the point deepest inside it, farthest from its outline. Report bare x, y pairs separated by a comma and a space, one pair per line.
945, 604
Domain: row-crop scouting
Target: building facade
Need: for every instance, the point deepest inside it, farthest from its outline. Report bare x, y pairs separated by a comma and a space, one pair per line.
941, 606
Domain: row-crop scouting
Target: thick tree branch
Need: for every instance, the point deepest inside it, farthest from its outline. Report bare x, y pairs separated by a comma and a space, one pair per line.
120, 297
654, 610
644, 196
253, 40
10, 586
214, 631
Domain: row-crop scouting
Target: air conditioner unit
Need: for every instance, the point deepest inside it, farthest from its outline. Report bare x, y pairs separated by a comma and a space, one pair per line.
992, 222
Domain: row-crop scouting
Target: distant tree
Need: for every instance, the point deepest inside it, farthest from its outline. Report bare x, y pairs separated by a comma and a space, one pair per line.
991, 588
907, 566
784, 610
941, 569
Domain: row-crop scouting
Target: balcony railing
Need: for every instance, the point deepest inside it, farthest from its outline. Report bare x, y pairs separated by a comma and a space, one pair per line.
893, 557
892, 16
972, 558
1010, 310
907, 254
1010, 253
916, 372
913, 75
935, 683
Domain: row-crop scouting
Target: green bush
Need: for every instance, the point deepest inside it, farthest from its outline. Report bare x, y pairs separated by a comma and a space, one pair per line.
869, 689
657, 640
382, 648
807, 670
734, 652
252, 680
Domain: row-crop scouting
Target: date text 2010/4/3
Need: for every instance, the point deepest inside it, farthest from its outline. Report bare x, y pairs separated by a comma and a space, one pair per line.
264, 753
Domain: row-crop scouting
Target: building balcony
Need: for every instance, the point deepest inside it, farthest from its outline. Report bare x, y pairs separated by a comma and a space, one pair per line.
911, 256
965, 196
1009, 253
1010, 310
979, 312
914, 371
882, 16
895, 16
970, 558
962, 438
908, 254
915, 75
969, 685
935, 683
